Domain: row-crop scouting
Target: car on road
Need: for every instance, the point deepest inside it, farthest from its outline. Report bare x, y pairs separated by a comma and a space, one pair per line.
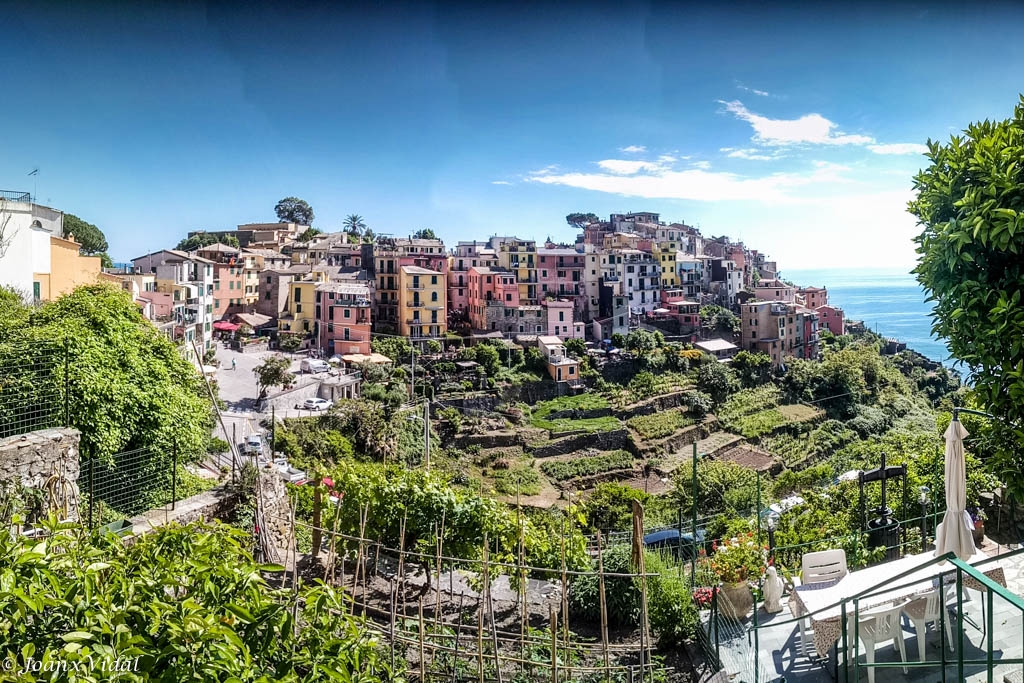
681, 545
313, 365
254, 444
315, 404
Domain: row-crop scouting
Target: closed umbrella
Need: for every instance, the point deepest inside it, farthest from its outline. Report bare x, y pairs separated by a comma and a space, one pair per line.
955, 533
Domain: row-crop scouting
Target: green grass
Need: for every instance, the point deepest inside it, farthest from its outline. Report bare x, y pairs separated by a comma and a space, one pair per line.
540, 413
563, 470
527, 478
659, 425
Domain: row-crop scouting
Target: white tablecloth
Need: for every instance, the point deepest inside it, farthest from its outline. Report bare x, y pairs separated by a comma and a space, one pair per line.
826, 624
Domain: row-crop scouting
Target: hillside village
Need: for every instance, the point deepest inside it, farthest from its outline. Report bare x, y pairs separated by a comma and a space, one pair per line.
549, 408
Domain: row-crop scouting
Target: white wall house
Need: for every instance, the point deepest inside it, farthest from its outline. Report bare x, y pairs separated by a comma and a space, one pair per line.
190, 279
25, 231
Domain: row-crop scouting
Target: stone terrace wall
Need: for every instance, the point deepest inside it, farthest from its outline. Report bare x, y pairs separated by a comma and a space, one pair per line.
34, 458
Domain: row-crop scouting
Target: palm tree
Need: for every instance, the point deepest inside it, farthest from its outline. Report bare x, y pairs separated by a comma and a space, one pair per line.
354, 224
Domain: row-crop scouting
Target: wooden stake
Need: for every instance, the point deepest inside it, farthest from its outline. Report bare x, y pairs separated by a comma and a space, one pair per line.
554, 646
363, 518
604, 608
490, 610
565, 595
440, 554
645, 636
423, 656
392, 629
401, 561
480, 637
458, 636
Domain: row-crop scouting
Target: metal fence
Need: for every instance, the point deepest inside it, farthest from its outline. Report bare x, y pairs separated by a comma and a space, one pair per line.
127, 485
34, 388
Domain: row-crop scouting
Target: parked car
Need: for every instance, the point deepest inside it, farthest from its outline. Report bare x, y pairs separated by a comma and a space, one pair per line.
316, 404
681, 545
313, 365
254, 444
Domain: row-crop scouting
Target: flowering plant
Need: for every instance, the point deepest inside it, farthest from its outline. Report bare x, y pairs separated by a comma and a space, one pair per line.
977, 514
739, 558
702, 597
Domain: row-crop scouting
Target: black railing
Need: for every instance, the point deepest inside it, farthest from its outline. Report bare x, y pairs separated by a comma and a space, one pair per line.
15, 196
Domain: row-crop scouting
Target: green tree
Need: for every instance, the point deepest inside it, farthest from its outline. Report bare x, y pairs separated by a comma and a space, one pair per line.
354, 225
294, 210
273, 372
487, 357
970, 205
424, 234
205, 239
576, 348
581, 220
290, 342
716, 380
642, 341
754, 369
130, 387
395, 348
308, 234
91, 238
716, 319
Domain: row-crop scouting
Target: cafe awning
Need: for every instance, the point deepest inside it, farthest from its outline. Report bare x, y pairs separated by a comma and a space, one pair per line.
225, 326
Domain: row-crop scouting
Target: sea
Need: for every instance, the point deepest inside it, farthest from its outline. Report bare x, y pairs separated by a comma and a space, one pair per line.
890, 301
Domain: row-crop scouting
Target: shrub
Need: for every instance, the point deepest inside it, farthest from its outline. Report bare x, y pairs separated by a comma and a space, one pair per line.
217, 445
527, 478
610, 506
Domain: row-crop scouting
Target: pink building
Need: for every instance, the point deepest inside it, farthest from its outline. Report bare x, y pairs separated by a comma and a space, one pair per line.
466, 256
560, 271
560, 320
813, 297
490, 293
831, 319
681, 308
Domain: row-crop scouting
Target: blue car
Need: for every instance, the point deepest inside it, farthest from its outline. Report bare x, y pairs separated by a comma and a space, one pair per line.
681, 545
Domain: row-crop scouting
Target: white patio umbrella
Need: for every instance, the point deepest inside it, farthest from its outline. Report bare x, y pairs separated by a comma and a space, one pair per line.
955, 532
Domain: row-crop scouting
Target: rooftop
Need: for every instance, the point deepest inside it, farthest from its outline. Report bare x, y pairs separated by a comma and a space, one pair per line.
716, 345
416, 270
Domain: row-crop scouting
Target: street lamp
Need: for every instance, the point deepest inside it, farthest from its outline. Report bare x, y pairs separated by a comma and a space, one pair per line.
922, 497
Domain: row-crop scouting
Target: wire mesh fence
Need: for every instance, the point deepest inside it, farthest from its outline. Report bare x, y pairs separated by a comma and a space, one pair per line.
127, 484
33, 386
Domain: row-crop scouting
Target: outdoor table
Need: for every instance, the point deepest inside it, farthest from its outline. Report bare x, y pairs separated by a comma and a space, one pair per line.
827, 624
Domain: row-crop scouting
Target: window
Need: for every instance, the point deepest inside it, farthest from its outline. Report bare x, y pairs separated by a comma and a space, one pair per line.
298, 294
561, 316
268, 279
433, 279
298, 308
433, 296
348, 313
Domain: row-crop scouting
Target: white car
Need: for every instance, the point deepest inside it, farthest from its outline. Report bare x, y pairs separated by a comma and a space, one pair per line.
316, 404
254, 444
314, 365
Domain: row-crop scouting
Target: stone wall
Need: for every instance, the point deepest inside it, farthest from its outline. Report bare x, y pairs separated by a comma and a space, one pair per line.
46, 459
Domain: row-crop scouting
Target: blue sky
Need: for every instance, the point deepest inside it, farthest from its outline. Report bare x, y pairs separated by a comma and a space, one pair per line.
796, 130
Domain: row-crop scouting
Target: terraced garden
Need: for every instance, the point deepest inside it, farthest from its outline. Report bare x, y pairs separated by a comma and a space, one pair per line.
587, 466
582, 403
659, 425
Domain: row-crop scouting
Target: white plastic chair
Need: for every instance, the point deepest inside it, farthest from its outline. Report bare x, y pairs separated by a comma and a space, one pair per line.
924, 610
874, 627
820, 567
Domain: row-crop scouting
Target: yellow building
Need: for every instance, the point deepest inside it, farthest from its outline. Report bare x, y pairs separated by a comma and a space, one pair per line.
520, 257
300, 316
68, 269
422, 302
667, 254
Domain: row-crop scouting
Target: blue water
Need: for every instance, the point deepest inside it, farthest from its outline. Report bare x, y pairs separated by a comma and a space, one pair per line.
888, 300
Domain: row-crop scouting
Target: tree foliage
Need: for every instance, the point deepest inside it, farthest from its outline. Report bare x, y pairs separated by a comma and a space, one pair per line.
970, 205
424, 234
581, 220
205, 239
355, 225
395, 348
91, 238
753, 368
178, 604
717, 381
294, 210
716, 319
129, 386
273, 372
308, 234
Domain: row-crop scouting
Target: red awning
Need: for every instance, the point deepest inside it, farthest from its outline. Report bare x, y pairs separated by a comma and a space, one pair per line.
225, 326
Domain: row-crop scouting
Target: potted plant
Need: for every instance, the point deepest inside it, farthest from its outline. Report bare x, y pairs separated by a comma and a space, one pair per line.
736, 562
978, 516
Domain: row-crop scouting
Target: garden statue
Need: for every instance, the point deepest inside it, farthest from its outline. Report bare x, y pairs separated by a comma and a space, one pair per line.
772, 591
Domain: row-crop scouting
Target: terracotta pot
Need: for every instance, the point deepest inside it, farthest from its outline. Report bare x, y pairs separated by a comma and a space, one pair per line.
735, 600
979, 533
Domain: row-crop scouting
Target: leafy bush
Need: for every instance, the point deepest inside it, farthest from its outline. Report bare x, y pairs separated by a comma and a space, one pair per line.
563, 470
610, 506
659, 425
180, 603
698, 403
217, 445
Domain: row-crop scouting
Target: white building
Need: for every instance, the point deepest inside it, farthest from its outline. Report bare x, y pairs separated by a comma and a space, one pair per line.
635, 275
25, 231
189, 279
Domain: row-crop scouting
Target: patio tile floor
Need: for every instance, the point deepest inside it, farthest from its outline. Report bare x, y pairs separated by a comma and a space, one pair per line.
780, 652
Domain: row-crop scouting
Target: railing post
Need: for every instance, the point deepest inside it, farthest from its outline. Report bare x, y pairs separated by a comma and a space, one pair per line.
67, 384
943, 615
846, 650
960, 624
991, 637
92, 488
693, 561
856, 639
174, 475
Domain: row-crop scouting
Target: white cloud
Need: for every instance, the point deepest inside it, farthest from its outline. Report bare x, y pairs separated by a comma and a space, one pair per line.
809, 128
500, 182
762, 93
668, 158
633, 149
626, 167
753, 154
705, 165
899, 148
550, 168
693, 184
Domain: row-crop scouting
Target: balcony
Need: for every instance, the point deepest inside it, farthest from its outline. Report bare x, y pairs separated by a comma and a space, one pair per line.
414, 304
415, 288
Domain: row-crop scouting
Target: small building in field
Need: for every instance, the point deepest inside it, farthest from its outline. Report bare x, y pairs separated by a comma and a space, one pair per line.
719, 348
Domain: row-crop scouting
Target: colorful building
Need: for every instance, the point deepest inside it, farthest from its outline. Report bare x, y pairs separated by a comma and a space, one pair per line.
422, 302
813, 297
832, 319
390, 255
343, 318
